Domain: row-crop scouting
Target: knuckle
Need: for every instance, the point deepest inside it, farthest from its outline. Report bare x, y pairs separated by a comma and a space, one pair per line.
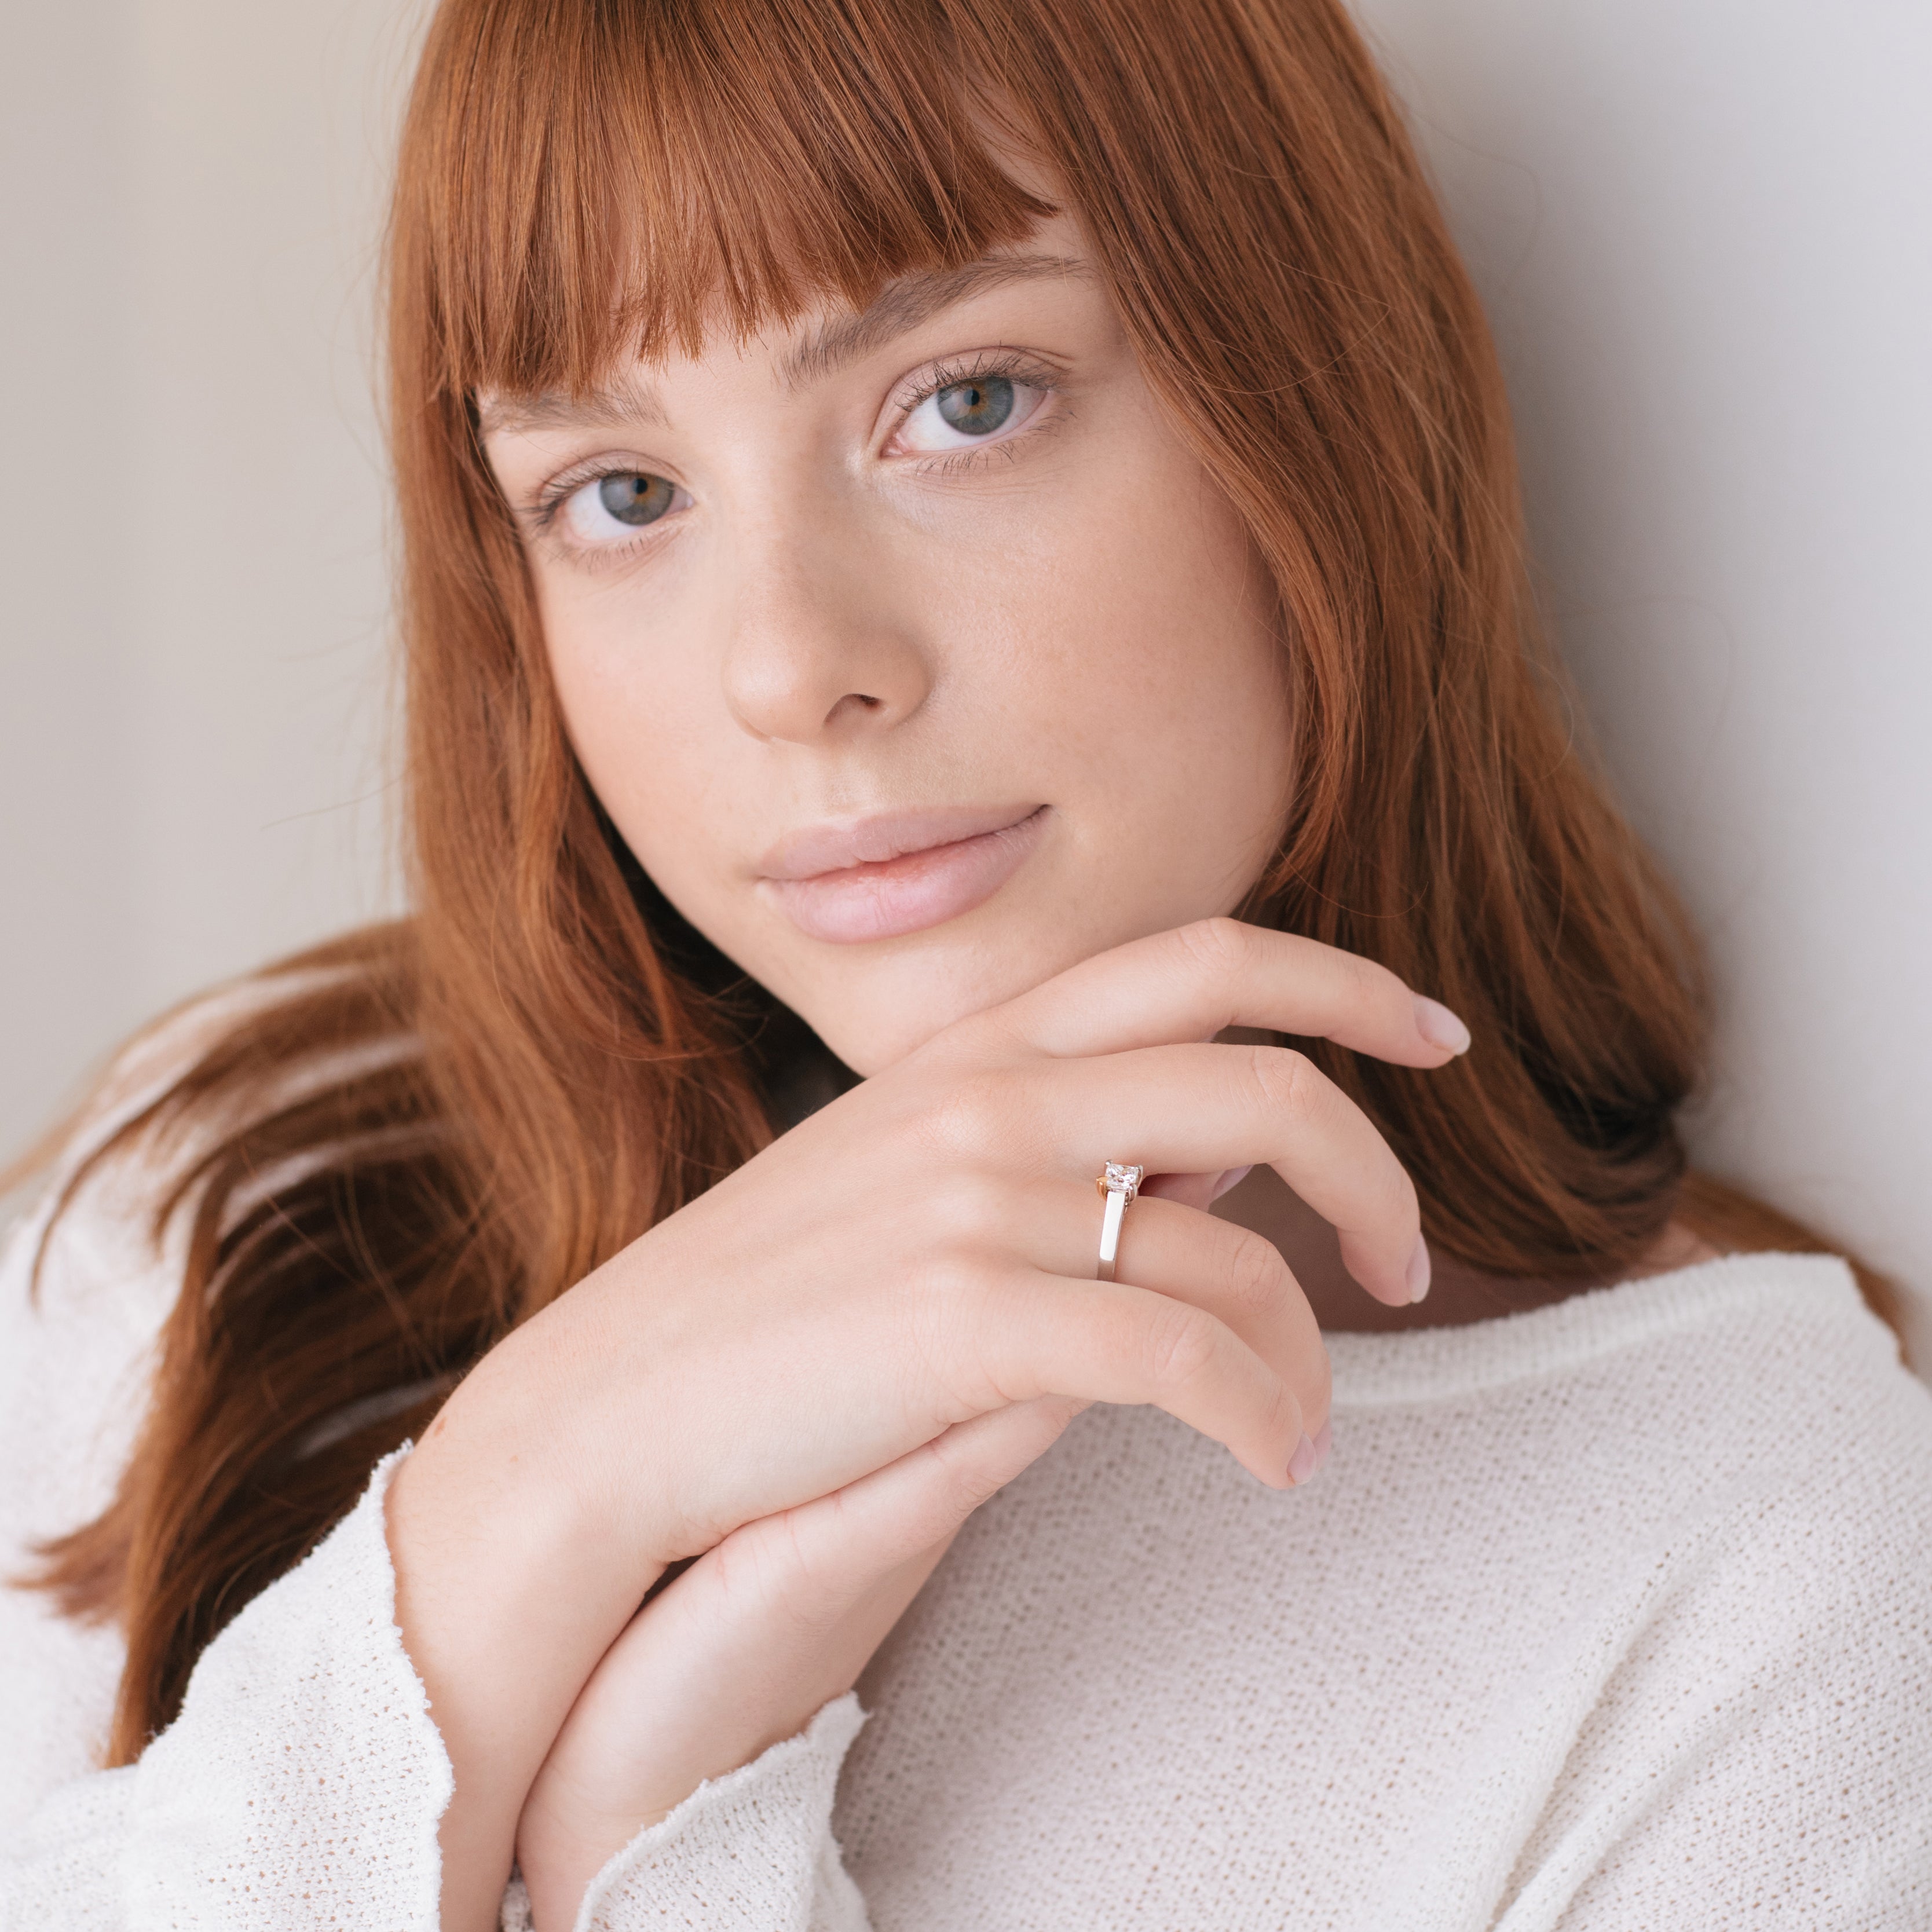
1180, 1342
973, 1041
1385, 1187
1256, 1274
965, 1482
1407, 1203
1285, 1080
974, 1114
1218, 949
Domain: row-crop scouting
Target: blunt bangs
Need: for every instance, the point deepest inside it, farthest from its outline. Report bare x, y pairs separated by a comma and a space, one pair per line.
616, 178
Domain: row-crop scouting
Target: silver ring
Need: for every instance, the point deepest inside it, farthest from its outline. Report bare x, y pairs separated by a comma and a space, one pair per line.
1119, 1183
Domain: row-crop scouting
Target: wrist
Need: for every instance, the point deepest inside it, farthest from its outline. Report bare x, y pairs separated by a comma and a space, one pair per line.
508, 1589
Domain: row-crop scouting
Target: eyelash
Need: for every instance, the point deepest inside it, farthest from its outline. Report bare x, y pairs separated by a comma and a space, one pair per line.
976, 368
550, 500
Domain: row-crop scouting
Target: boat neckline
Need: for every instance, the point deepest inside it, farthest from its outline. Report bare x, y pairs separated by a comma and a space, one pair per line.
1421, 1365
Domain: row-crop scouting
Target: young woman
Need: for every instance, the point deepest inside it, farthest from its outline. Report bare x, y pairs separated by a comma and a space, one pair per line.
967, 638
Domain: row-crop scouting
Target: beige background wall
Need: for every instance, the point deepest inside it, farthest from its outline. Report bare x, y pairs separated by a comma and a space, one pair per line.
192, 527
1700, 225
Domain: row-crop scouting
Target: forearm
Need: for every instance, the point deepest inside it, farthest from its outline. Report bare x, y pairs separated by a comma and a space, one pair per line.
508, 1591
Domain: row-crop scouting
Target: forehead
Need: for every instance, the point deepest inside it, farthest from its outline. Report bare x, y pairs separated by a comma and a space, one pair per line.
816, 345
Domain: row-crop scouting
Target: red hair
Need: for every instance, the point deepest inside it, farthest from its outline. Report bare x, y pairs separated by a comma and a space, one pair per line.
542, 1061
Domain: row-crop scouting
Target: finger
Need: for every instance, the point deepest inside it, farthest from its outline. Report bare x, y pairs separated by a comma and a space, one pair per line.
1195, 1190
1235, 1275
1191, 983
1198, 1108
819, 1558
863, 1532
1039, 1334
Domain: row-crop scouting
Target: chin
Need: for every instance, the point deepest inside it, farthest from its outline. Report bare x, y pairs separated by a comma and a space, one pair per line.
873, 1012
877, 1024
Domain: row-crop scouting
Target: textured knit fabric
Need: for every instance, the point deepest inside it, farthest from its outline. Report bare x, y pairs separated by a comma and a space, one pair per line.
1616, 1615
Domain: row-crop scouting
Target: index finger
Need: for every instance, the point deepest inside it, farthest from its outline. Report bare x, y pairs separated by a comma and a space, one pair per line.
1190, 983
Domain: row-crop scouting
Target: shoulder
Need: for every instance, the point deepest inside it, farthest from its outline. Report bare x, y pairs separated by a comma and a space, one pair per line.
1779, 1377
1701, 1506
1765, 1718
1794, 1455
1734, 1453
1774, 1410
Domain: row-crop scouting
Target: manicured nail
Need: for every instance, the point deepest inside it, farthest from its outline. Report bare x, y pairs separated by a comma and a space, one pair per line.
1325, 1441
1438, 1026
1231, 1179
1419, 1271
1303, 1463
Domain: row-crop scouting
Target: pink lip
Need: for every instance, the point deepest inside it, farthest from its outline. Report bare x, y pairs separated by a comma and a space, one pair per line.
900, 872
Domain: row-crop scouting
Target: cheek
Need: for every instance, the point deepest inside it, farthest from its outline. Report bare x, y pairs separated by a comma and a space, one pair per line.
636, 712
1171, 689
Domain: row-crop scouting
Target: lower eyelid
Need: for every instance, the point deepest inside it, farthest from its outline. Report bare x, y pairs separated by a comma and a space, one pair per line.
594, 557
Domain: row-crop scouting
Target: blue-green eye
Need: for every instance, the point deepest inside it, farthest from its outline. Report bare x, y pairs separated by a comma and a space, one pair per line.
606, 512
987, 409
635, 499
978, 407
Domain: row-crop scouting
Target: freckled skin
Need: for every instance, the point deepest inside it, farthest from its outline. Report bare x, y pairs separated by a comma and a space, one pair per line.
834, 624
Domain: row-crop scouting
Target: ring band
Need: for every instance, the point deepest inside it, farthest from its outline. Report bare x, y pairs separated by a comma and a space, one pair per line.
1119, 1182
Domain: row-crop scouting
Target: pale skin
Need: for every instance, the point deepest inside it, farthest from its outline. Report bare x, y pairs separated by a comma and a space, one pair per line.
854, 590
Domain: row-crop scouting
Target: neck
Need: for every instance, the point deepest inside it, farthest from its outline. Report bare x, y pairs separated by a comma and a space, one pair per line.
1458, 1293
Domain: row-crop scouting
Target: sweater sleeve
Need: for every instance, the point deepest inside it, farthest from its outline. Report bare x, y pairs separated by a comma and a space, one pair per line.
303, 1783
750, 1852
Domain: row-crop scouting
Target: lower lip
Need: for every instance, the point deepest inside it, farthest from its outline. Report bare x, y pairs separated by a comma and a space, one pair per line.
909, 893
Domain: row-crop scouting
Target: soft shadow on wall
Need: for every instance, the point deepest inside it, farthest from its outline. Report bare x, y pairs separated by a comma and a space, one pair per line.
1699, 225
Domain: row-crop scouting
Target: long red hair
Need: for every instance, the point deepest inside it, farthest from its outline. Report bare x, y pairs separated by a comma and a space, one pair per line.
422, 1133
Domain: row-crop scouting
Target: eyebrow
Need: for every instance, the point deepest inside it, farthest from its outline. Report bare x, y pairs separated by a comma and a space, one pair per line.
899, 308
902, 306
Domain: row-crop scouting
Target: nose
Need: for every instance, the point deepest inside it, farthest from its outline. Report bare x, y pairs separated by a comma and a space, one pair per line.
817, 645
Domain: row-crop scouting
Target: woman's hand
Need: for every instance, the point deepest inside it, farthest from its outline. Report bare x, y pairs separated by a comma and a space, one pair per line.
738, 1653
918, 1254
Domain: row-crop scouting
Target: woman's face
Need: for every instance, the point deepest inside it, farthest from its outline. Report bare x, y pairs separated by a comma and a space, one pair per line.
911, 652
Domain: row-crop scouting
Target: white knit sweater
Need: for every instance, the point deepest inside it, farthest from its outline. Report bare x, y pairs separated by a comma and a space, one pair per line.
1614, 1615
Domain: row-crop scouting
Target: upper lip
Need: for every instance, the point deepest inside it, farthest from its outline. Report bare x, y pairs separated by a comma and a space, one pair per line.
839, 844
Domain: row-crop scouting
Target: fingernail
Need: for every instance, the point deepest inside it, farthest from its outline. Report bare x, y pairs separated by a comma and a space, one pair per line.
1438, 1026
1231, 1179
1303, 1463
1325, 1441
1419, 1271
